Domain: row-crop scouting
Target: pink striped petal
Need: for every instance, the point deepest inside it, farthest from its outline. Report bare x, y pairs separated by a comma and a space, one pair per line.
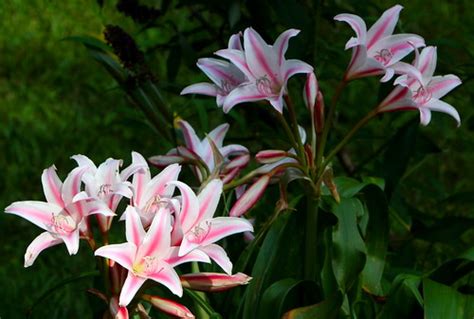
158, 186
233, 149
222, 73
123, 254
281, 43
362, 66
107, 172
218, 134
134, 231
169, 306
72, 184
72, 241
40, 243
173, 259
440, 106
219, 256
292, 67
83, 160
213, 282
410, 74
241, 94
189, 206
358, 25
138, 165
130, 288
250, 197
399, 46
203, 88
168, 277
260, 57
190, 137
97, 206
209, 199
38, 213
52, 186
238, 162
426, 62
399, 99
221, 227
310, 91
425, 115
237, 57
230, 175
140, 178
439, 86
384, 25
158, 238
235, 42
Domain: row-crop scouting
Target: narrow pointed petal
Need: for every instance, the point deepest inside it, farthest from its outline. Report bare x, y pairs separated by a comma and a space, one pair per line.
40, 243
410, 73
169, 306
399, 46
233, 149
399, 99
426, 62
439, 86
221, 72
221, 227
38, 213
260, 57
72, 241
158, 186
235, 42
138, 164
140, 178
237, 57
190, 137
209, 199
52, 186
244, 93
130, 288
218, 134
213, 282
281, 43
292, 67
440, 106
72, 184
389, 72
165, 160
361, 66
123, 254
218, 254
96, 206
158, 238
384, 25
358, 25
277, 101
203, 88
173, 258
83, 160
168, 277
230, 175
133, 226
425, 116
250, 197
189, 206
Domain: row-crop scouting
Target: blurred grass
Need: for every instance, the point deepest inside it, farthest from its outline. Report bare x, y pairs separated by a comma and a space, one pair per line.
56, 102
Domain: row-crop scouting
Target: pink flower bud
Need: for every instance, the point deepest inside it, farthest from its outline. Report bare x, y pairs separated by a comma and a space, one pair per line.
270, 156
117, 311
213, 282
250, 197
310, 91
319, 113
169, 306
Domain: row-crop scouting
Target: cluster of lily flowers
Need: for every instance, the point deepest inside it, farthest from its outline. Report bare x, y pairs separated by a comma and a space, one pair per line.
163, 229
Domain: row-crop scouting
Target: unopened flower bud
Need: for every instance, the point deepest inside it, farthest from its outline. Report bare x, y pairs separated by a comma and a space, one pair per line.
310, 91
270, 156
319, 113
169, 306
213, 282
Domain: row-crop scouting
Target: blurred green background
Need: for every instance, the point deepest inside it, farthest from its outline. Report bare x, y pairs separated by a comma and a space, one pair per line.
55, 101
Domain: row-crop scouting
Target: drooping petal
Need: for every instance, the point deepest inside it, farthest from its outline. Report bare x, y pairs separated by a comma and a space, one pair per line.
425, 115
213, 282
72, 241
133, 226
123, 253
439, 86
261, 59
360, 65
168, 277
358, 25
158, 186
409, 73
250, 197
292, 67
173, 258
384, 25
221, 227
40, 243
440, 106
218, 254
247, 92
209, 199
158, 238
203, 88
83, 160
190, 137
137, 165
39, 213
52, 186
130, 288
169, 306
281, 43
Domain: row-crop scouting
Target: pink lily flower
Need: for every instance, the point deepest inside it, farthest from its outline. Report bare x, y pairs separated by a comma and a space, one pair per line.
197, 230
265, 67
377, 51
235, 156
148, 255
224, 75
105, 185
424, 95
62, 216
151, 194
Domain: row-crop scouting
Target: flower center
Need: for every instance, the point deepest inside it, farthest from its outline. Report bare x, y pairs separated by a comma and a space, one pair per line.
226, 87
148, 265
264, 85
422, 95
383, 56
154, 204
62, 224
104, 190
199, 232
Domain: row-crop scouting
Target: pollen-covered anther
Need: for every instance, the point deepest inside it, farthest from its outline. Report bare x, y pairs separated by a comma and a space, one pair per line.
383, 56
62, 224
199, 232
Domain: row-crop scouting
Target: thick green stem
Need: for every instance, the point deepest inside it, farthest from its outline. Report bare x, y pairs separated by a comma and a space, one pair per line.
328, 124
311, 238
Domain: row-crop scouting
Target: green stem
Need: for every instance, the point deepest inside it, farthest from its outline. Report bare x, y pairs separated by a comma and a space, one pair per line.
311, 238
201, 302
328, 124
287, 129
296, 132
349, 135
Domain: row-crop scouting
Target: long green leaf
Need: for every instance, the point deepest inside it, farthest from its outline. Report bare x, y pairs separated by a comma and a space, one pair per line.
402, 298
327, 309
443, 302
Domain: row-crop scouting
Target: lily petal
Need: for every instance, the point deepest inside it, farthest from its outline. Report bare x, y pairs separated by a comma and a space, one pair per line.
260, 57
173, 258
358, 25
158, 186
52, 186
140, 178
218, 254
218, 134
40, 243
123, 253
72, 241
399, 46
221, 227
130, 288
439, 86
384, 25
168, 277
38, 213
72, 184
190, 137
158, 238
133, 226
209, 199
440, 106
281, 43
203, 88
426, 62
399, 99
169, 306
189, 206
237, 57
235, 42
